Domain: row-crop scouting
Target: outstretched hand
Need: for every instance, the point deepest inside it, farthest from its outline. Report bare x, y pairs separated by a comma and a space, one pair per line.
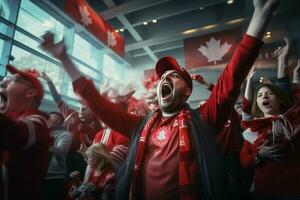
198, 78
251, 74
58, 50
282, 52
260, 19
296, 73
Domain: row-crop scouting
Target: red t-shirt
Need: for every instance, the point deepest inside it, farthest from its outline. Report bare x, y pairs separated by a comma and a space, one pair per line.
161, 158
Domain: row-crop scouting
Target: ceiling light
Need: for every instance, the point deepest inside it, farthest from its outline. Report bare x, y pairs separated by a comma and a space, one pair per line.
201, 8
121, 29
209, 27
230, 1
267, 36
235, 21
145, 23
268, 33
154, 21
189, 31
117, 31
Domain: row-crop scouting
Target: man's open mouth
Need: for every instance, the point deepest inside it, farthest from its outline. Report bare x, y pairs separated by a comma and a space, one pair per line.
3, 102
166, 90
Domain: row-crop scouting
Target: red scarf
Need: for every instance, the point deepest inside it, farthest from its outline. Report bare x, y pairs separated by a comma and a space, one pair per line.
289, 123
187, 180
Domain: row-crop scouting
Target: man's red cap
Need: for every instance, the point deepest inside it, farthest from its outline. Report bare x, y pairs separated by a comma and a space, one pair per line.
169, 63
31, 76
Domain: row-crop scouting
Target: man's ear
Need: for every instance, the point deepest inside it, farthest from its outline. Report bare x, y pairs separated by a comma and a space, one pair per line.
188, 92
31, 93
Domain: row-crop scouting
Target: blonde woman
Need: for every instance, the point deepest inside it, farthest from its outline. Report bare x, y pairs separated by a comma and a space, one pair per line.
101, 181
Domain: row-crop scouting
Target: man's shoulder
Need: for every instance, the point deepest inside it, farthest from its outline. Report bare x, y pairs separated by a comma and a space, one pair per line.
35, 116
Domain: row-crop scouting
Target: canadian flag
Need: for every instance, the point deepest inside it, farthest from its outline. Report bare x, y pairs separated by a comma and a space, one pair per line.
84, 14
212, 49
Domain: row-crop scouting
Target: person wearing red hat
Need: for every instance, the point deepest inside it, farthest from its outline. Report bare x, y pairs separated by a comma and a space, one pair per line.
173, 153
25, 139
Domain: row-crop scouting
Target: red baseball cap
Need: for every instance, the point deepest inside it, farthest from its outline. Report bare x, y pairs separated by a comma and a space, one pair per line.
169, 63
31, 76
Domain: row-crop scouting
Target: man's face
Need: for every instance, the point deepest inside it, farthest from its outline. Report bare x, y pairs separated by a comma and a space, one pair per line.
85, 112
55, 120
14, 90
172, 91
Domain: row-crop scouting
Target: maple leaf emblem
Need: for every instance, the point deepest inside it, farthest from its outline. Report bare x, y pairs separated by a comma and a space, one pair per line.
161, 135
111, 39
85, 16
213, 50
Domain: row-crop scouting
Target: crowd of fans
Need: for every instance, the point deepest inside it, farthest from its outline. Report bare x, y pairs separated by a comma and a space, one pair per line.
119, 147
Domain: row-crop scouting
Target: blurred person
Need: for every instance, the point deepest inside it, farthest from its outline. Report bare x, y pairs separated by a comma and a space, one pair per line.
272, 144
82, 125
101, 181
25, 139
55, 181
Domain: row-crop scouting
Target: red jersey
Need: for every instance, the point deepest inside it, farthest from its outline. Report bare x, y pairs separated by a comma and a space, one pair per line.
25, 155
102, 180
111, 138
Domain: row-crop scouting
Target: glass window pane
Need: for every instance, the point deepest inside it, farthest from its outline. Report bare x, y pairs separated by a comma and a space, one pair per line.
36, 21
3, 28
87, 71
22, 38
5, 8
84, 51
25, 60
1, 46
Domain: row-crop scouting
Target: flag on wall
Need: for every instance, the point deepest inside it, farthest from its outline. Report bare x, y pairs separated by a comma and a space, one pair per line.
84, 14
211, 49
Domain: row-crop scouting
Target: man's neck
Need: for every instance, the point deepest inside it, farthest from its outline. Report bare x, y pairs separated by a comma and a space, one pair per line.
167, 115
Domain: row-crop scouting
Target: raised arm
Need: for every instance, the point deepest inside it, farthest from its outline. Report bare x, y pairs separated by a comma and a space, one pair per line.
263, 10
200, 79
282, 53
62, 106
296, 73
108, 112
226, 91
248, 96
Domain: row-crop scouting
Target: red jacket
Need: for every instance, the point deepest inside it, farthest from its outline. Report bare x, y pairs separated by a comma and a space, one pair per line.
111, 138
272, 178
25, 155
